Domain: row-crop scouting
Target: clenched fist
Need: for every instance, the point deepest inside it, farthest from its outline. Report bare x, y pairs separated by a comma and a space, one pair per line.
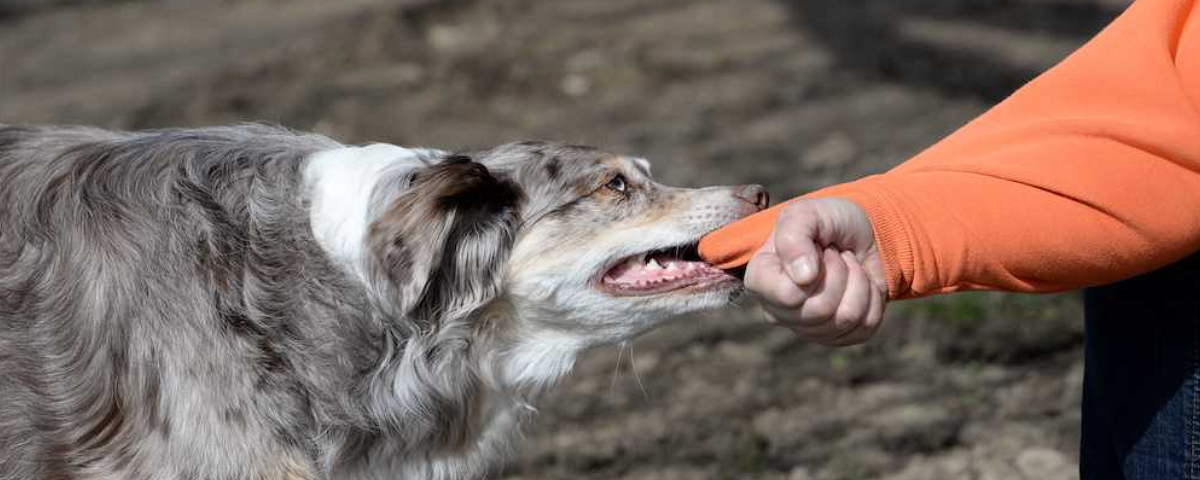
820, 273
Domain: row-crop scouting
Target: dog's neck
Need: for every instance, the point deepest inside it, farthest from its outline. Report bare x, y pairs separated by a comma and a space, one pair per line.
511, 361
513, 368
538, 362
528, 358
342, 190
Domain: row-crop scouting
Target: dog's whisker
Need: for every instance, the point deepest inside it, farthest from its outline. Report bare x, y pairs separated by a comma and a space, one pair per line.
636, 376
612, 387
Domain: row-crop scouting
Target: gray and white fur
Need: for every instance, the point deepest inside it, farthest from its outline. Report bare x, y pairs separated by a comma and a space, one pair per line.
248, 302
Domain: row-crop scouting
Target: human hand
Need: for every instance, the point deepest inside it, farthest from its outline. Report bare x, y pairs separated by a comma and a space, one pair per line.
820, 273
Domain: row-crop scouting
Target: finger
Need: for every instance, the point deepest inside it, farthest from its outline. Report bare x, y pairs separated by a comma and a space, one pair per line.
766, 278
856, 302
818, 325
875, 314
869, 327
823, 302
794, 234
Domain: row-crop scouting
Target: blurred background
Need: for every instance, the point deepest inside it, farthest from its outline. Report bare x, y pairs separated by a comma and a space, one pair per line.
793, 94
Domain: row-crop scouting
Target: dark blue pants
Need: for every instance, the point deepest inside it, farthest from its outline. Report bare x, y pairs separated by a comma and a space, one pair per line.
1141, 390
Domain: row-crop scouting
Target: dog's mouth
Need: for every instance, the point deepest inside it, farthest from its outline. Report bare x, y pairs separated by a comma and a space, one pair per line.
662, 271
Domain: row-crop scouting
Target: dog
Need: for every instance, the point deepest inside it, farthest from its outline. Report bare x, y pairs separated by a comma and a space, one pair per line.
254, 303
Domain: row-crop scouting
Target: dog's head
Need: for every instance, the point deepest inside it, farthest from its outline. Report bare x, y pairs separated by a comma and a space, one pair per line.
565, 238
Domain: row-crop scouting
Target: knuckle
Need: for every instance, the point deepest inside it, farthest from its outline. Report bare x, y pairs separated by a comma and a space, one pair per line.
763, 282
845, 325
875, 317
873, 323
871, 320
796, 209
782, 293
753, 280
790, 236
820, 309
791, 298
836, 268
853, 312
791, 245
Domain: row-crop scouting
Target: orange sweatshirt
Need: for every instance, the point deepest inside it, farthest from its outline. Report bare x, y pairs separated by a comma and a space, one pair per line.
1087, 175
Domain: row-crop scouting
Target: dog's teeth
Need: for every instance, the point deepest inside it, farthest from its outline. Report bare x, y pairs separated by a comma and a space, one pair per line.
672, 266
653, 265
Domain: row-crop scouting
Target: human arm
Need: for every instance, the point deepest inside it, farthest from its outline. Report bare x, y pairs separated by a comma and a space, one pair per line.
1087, 175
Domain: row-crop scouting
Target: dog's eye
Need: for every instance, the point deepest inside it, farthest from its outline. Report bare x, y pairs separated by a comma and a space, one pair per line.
617, 184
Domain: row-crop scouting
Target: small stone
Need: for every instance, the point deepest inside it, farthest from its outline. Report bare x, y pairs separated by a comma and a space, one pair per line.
445, 37
915, 427
1040, 462
800, 473
575, 85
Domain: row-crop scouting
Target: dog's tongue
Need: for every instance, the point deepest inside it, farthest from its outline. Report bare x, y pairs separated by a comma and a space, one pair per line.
657, 271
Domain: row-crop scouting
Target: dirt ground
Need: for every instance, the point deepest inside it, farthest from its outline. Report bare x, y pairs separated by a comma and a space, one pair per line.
793, 94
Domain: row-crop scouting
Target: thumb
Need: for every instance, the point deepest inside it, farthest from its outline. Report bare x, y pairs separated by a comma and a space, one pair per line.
797, 243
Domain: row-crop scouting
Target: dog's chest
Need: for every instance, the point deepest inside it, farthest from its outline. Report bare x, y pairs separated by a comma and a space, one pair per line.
391, 458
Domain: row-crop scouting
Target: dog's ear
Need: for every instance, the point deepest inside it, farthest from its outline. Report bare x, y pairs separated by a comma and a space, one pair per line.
442, 244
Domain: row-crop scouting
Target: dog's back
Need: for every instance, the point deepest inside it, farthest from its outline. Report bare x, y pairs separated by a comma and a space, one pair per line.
49, 373
122, 323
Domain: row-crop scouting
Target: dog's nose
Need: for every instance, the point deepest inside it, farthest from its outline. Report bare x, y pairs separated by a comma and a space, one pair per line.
753, 194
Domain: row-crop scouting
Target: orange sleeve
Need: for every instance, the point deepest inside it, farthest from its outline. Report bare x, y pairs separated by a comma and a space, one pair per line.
1087, 175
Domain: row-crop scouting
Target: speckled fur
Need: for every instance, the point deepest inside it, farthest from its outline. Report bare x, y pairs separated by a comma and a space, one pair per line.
166, 311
